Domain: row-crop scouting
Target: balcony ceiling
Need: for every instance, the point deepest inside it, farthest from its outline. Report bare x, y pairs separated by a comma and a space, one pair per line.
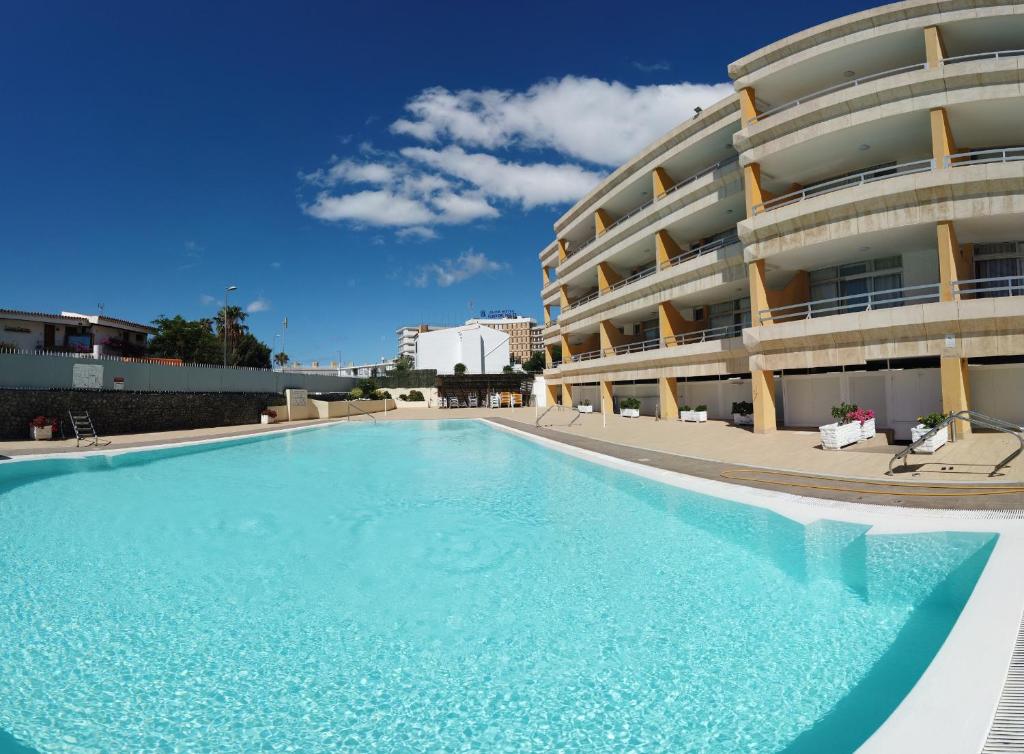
854, 248
984, 34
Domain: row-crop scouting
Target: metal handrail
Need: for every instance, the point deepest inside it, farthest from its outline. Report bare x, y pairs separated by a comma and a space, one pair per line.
719, 243
643, 345
836, 88
971, 417
556, 364
1012, 284
580, 302
983, 157
631, 213
348, 413
699, 174
835, 184
982, 56
631, 279
872, 300
586, 356
702, 336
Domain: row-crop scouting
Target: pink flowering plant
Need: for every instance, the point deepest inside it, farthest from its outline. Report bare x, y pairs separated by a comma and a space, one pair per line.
860, 415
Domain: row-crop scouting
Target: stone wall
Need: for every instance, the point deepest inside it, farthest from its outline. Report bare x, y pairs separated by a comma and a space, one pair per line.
124, 412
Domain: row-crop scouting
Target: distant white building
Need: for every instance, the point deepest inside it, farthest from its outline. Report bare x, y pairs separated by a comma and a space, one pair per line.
518, 329
407, 338
72, 332
483, 350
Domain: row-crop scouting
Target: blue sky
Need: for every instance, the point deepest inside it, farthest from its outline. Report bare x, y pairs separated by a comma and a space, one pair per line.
353, 166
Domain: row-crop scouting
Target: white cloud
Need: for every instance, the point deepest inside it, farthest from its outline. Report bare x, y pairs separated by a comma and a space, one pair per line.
450, 271
207, 300
530, 185
416, 233
259, 304
599, 121
348, 171
276, 265
382, 208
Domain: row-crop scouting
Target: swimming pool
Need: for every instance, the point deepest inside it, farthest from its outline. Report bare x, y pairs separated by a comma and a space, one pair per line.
444, 586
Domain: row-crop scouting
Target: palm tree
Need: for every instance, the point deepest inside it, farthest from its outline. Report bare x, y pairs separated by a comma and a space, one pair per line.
280, 358
233, 317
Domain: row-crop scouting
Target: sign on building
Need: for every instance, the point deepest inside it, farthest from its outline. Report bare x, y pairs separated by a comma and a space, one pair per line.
87, 376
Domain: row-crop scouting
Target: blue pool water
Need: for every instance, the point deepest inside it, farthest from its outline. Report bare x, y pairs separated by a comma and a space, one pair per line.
444, 586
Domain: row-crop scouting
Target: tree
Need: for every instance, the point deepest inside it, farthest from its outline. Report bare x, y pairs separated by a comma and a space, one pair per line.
234, 318
280, 358
249, 351
507, 369
404, 363
460, 368
535, 363
190, 340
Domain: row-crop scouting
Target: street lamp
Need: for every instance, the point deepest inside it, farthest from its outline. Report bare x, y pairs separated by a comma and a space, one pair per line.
226, 292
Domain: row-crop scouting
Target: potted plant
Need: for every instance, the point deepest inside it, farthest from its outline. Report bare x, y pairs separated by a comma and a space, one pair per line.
699, 414
42, 428
268, 416
842, 431
629, 407
925, 425
743, 413
584, 407
864, 417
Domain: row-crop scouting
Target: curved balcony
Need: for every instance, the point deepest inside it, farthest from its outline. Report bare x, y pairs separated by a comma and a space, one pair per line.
670, 194
857, 302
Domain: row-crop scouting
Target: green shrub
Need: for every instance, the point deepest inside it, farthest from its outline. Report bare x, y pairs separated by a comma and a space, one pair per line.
701, 407
932, 420
460, 368
380, 395
415, 395
629, 402
686, 407
842, 411
743, 408
355, 393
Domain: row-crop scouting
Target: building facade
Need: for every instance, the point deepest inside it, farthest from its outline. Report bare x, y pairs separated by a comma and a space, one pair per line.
483, 350
848, 226
519, 331
536, 339
407, 338
71, 332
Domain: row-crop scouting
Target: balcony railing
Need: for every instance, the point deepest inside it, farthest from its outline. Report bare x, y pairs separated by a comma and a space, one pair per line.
631, 279
837, 88
856, 302
1011, 285
576, 249
580, 302
643, 345
982, 56
719, 243
983, 156
702, 336
846, 181
586, 356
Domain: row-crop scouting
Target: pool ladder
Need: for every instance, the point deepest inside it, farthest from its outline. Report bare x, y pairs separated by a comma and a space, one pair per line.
348, 413
559, 406
971, 417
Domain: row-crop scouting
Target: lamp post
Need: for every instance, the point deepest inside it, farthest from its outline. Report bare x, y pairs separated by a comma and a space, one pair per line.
226, 292
284, 333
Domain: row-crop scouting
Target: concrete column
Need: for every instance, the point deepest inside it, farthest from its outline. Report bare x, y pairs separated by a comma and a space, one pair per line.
665, 248
755, 195
763, 384
566, 394
956, 389
949, 256
607, 404
601, 221
748, 106
606, 276
566, 350
552, 391
758, 292
549, 356
934, 49
670, 322
662, 182
943, 144
610, 337
545, 276
563, 297
668, 397
547, 314
563, 250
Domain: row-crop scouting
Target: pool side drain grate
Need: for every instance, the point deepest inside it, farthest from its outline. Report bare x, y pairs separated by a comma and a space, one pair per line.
1007, 731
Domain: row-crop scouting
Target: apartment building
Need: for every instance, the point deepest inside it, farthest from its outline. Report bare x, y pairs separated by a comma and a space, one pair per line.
407, 338
519, 331
536, 339
847, 226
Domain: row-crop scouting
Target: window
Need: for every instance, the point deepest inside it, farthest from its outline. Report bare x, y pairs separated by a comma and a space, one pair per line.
853, 287
999, 260
734, 314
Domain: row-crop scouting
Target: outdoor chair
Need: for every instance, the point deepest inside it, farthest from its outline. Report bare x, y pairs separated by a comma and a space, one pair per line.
473, 400
495, 400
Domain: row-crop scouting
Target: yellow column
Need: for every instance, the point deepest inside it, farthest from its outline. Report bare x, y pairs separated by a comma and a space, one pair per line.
545, 276
547, 314
563, 297
607, 405
942, 136
758, 293
601, 221
669, 397
755, 195
763, 387
748, 106
549, 356
665, 248
552, 391
662, 182
566, 394
563, 250
934, 49
606, 276
610, 337
949, 256
956, 389
670, 322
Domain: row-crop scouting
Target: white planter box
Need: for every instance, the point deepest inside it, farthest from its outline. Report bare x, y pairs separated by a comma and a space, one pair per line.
743, 420
934, 442
264, 419
835, 436
867, 429
693, 416
41, 433
585, 409
630, 412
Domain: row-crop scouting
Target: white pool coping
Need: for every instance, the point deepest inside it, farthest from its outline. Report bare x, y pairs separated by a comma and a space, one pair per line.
951, 708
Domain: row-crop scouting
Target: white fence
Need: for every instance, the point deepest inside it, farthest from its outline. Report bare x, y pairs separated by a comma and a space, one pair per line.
42, 371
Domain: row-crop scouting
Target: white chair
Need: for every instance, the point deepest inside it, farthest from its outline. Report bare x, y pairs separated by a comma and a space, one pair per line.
473, 400
495, 400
